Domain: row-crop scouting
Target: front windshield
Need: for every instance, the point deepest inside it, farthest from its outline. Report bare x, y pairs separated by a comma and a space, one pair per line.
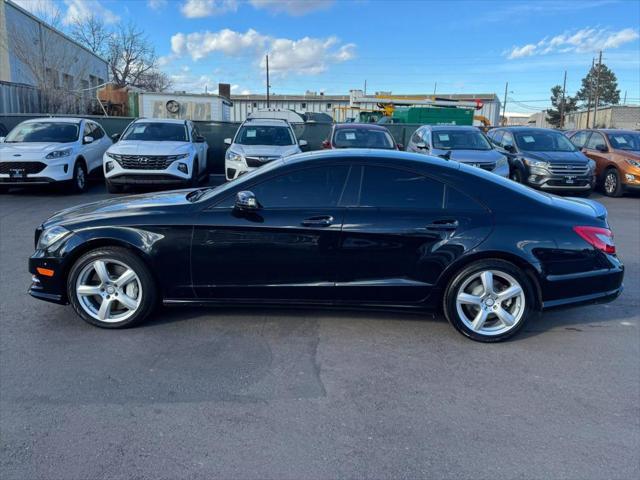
460, 140
264, 135
48, 132
362, 138
543, 141
156, 132
625, 141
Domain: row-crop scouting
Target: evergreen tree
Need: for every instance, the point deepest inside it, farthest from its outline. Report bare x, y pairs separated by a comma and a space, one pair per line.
553, 114
608, 88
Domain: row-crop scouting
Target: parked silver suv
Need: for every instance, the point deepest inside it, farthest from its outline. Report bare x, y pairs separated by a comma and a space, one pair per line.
259, 141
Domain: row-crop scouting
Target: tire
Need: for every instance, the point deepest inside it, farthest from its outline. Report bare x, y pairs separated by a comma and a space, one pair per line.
611, 183
479, 303
112, 188
516, 175
138, 288
79, 180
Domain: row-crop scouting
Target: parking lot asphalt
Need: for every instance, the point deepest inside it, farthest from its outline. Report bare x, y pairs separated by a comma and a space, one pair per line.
306, 393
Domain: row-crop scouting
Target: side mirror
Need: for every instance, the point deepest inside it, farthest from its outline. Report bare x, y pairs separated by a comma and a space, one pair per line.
326, 144
227, 141
421, 145
510, 148
246, 201
602, 148
200, 139
87, 139
303, 143
115, 137
1, 139
399, 146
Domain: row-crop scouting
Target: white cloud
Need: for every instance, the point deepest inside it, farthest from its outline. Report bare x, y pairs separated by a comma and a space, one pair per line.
206, 8
304, 56
83, 9
584, 40
292, 7
157, 4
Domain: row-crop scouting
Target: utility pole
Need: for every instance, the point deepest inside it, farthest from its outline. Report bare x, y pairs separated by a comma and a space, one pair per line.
504, 105
589, 95
365, 88
595, 104
564, 87
624, 102
268, 103
435, 86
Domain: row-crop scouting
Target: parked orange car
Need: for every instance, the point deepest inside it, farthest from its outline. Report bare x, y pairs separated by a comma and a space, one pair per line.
617, 157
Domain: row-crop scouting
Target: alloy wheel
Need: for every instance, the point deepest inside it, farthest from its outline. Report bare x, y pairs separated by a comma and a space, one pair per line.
109, 290
610, 182
80, 178
490, 302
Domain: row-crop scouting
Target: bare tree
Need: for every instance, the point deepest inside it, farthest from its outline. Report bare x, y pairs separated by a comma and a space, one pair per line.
155, 81
92, 33
131, 57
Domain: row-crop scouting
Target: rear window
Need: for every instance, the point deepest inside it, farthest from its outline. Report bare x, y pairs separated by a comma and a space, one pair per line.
33, 132
362, 138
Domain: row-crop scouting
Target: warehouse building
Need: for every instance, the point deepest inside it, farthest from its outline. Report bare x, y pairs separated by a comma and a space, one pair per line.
41, 69
615, 116
346, 107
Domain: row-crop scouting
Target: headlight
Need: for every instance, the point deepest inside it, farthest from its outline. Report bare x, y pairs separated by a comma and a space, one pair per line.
233, 156
115, 156
58, 154
592, 165
51, 236
503, 162
536, 163
177, 157
633, 163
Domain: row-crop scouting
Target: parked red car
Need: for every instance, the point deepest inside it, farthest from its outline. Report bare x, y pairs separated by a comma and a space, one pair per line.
360, 135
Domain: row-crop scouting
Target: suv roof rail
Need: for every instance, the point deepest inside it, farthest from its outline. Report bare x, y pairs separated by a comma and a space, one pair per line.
257, 119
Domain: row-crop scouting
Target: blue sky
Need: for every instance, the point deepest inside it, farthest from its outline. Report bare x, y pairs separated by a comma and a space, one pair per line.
402, 46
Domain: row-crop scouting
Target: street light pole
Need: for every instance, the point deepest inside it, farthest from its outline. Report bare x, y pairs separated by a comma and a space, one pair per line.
564, 87
595, 104
268, 102
504, 105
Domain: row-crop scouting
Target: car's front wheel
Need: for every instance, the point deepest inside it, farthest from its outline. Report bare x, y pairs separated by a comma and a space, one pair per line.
111, 287
612, 184
489, 301
79, 180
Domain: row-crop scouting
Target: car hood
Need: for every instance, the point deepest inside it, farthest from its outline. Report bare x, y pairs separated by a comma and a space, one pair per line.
471, 156
136, 147
633, 154
266, 150
119, 207
20, 149
560, 157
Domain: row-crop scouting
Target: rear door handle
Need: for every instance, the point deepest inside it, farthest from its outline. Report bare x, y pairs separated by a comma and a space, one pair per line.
322, 221
446, 225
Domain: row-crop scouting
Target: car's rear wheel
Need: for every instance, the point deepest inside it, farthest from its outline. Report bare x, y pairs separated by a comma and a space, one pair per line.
611, 184
79, 180
489, 301
111, 287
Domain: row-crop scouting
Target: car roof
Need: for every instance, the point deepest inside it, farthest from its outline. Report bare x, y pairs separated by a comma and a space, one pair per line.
614, 130
451, 127
55, 120
180, 121
529, 129
369, 153
370, 126
266, 121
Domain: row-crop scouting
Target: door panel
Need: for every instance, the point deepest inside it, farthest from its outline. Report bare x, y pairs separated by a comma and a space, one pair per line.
269, 254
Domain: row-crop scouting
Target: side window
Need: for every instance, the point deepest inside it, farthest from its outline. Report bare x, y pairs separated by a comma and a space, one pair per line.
416, 137
456, 200
97, 131
308, 188
595, 140
384, 187
580, 138
507, 139
497, 137
195, 133
88, 130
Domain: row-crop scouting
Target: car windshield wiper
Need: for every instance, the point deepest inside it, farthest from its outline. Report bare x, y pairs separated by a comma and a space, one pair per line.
195, 195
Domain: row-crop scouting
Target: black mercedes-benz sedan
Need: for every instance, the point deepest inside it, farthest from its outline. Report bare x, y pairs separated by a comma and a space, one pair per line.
356, 228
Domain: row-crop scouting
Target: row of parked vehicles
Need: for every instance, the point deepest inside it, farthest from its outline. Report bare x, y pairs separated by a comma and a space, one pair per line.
173, 152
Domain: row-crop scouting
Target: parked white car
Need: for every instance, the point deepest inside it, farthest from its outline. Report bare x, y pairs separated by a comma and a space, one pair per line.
156, 152
52, 150
259, 141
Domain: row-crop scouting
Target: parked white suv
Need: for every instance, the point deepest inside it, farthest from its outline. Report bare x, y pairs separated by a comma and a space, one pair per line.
156, 152
259, 141
51, 150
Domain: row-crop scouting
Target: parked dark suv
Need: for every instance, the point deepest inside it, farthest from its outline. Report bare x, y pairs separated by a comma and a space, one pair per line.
545, 159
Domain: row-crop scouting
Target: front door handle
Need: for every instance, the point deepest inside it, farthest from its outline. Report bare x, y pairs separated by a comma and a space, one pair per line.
445, 225
321, 221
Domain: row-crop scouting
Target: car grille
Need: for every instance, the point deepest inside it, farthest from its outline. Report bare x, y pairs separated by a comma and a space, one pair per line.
145, 162
29, 167
259, 161
568, 169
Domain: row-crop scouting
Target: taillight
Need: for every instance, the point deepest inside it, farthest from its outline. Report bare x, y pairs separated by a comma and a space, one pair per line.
600, 238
